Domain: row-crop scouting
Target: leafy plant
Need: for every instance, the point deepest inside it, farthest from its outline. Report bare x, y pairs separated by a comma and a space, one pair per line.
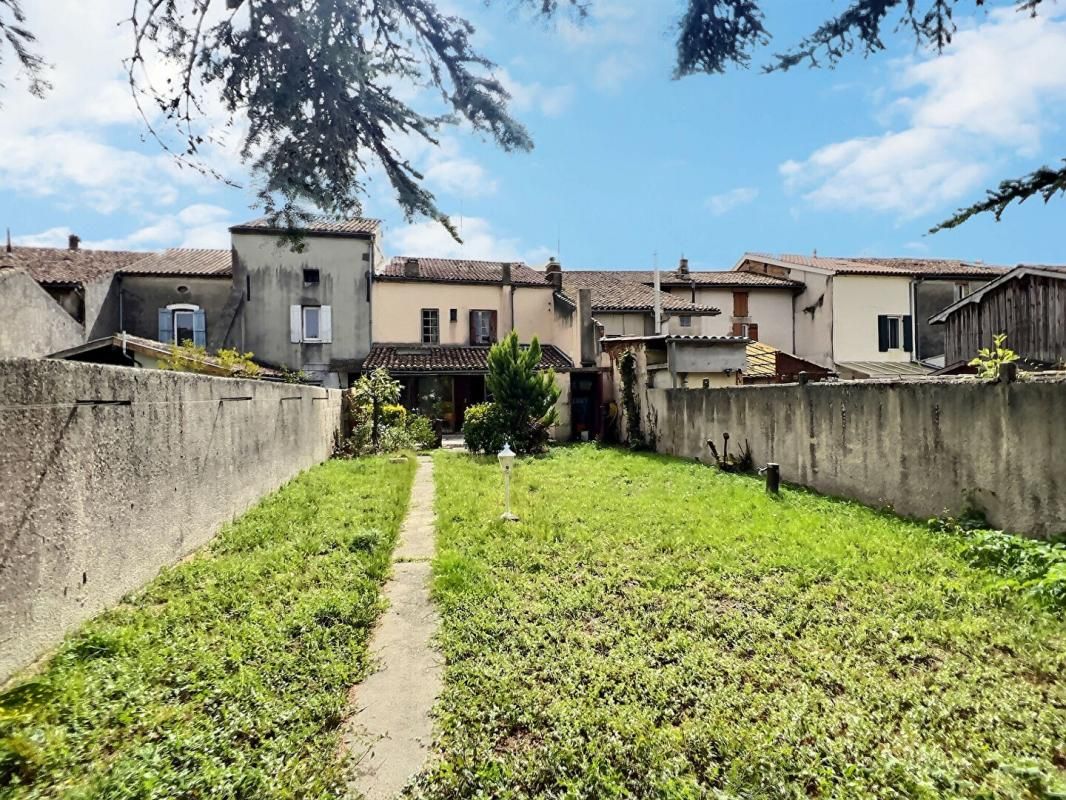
989, 359
294, 375
368, 396
484, 428
378, 423
189, 357
524, 394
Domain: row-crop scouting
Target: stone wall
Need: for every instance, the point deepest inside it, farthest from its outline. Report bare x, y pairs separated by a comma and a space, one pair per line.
921, 447
107, 474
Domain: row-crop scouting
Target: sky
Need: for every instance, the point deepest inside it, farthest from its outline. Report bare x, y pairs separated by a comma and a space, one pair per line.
630, 168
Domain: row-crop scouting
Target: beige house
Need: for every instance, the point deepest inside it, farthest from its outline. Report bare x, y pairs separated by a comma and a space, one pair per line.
868, 317
434, 321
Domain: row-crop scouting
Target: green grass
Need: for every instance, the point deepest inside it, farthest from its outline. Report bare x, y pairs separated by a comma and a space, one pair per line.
653, 628
226, 677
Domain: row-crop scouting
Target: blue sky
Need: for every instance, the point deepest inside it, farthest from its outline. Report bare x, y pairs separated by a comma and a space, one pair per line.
860, 160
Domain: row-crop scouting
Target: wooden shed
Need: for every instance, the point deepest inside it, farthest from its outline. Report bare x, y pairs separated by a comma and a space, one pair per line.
1028, 304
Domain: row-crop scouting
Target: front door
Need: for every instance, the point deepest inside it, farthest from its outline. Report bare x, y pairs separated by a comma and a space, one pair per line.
469, 390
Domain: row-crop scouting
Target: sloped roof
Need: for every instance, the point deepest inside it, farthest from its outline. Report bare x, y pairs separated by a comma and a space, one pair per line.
762, 360
885, 369
118, 343
723, 278
407, 358
316, 224
182, 261
614, 292
904, 267
55, 265
1054, 272
458, 270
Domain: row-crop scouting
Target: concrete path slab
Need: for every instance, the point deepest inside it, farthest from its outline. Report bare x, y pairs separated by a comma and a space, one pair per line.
390, 732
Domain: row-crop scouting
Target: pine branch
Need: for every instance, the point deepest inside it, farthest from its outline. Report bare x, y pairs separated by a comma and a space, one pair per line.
21, 40
1045, 182
715, 33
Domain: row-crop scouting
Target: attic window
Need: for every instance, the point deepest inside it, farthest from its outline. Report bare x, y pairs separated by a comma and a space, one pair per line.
311, 277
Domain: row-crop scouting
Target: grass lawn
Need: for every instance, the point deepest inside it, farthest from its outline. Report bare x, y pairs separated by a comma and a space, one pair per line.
227, 676
652, 628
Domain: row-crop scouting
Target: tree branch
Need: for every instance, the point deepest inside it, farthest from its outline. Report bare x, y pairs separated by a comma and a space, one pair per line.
1046, 182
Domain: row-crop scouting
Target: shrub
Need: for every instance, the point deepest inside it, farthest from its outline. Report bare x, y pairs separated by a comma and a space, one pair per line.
393, 414
420, 429
524, 394
484, 428
189, 357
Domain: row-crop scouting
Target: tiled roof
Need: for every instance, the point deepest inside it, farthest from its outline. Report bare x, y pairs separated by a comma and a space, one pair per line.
357, 226
63, 265
724, 278
455, 270
179, 261
614, 292
930, 267
400, 358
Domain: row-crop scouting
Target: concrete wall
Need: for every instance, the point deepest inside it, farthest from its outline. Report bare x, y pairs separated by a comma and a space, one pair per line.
921, 447
275, 275
144, 295
95, 499
32, 324
857, 302
812, 317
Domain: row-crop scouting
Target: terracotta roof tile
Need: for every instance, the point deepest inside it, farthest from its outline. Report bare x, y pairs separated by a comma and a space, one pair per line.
356, 226
724, 278
615, 292
461, 271
180, 261
405, 358
885, 266
63, 265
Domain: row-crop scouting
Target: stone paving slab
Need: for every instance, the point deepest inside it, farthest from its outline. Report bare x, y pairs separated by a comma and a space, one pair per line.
390, 732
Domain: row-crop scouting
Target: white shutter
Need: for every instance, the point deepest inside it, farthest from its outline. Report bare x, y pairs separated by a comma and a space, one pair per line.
296, 324
325, 323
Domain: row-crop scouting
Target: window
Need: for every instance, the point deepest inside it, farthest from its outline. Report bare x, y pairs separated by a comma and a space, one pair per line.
310, 324
748, 329
894, 333
482, 327
740, 304
311, 277
961, 290
686, 321
430, 326
182, 322
453, 315
706, 383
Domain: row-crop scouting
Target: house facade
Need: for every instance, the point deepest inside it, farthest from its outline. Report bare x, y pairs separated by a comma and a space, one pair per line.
436, 319
1027, 304
861, 317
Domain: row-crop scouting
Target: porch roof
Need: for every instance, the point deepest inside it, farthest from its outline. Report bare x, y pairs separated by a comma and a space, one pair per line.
401, 359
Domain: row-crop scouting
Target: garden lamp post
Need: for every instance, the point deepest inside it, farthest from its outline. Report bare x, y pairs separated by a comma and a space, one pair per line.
506, 457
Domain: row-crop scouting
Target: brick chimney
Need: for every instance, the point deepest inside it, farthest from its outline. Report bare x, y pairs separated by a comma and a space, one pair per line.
73, 241
410, 268
682, 266
554, 270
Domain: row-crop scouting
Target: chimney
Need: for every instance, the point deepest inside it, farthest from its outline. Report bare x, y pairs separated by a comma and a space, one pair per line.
682, 267
73, 241
554, 270
410, 268
505, 274
9, 240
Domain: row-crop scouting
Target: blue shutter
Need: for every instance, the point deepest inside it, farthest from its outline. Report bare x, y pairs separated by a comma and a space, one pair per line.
166, 325
199, 328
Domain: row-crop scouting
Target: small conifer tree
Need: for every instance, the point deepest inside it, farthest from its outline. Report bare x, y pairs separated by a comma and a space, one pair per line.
525, 394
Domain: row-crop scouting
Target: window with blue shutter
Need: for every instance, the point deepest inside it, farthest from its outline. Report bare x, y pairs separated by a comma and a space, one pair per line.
199, 328
166, 325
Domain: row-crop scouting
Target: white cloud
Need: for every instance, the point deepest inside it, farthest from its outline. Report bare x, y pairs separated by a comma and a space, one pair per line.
197, 225
720, 204
480, 242
551, 101
987, 98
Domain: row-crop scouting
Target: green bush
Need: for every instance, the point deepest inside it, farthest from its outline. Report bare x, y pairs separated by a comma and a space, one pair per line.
484, 428
421, 431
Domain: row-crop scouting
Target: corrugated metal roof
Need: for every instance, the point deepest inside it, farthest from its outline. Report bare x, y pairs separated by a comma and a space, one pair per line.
906, 267
884, 369
724, 278
183, 261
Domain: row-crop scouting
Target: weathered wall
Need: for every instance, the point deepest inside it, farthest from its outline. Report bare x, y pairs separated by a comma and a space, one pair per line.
94, 499
921, 447
144, 295
32, 324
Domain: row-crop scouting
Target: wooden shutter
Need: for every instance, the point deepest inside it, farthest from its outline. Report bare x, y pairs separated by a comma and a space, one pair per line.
908, 335
325, 323
882, 333
473, 327
166, 325
738, 329
296, 324
753, 332
199, 328
740, 304
492, 326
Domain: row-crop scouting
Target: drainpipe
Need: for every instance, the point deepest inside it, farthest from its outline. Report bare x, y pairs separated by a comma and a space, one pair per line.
657, 325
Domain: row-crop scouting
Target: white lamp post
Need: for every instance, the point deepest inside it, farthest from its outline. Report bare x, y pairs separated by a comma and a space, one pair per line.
506, 457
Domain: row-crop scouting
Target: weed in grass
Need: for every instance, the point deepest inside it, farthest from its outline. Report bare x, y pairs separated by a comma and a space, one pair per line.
225, 677
652, 628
